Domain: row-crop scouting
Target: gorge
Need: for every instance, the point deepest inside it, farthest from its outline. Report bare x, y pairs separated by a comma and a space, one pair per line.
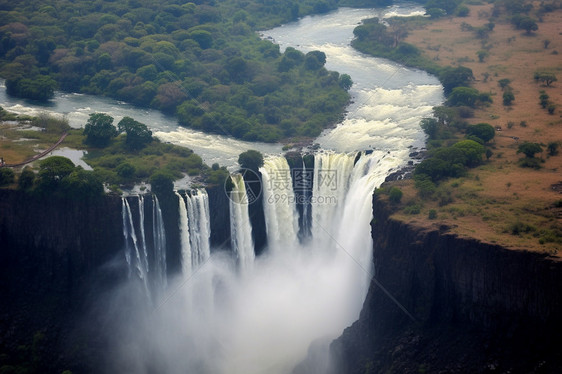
172, 283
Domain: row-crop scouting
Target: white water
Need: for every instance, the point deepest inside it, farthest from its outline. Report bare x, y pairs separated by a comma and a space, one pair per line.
185, 241
264, 322
159, 246
138, 265
199, 227
279, 207
330, 185
240, 226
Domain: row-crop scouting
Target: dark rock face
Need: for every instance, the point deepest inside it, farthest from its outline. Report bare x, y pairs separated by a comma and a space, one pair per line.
477, 307
219, 209
254, 187
52, 253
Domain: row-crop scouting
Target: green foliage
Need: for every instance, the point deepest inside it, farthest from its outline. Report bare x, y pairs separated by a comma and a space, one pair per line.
138, 134
202, 61
7, 176
543, 97
545, 77
552, 148
504, 83
482, 55
463, 11
251, 159
467, 96
524, 23
451, 77
57, 175
529, 149
99, 130
483, 131
508, 97
395, 195
430, 126
26, 179
432, 214
53, 170
39, 87
162, 183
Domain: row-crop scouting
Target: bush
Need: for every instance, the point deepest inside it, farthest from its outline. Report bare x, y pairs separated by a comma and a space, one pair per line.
508, 97
432, 214
395, 195
251, 159
162, 183
7, 176
483, 131
26, 179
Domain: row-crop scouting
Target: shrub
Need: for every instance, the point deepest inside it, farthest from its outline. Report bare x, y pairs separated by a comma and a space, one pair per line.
395, 195
251, 159
26, 179
508, 97
432, 214
7, 176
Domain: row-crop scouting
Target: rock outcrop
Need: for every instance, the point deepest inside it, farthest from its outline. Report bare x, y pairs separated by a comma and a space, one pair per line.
476, 307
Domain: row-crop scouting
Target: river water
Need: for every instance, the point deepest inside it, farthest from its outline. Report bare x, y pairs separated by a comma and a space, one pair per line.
388, 100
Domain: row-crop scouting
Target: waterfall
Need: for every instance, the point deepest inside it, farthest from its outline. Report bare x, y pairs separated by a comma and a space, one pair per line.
143, 236
185, 241
159, 246
240, 226
331, 180
281, 218
138, 263
199, 226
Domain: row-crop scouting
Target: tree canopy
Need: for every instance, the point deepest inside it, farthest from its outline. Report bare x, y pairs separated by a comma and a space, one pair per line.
202, 62
99, 129
138, 134
251, 159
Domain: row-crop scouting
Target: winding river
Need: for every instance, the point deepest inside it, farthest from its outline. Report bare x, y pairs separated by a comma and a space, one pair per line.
388, 100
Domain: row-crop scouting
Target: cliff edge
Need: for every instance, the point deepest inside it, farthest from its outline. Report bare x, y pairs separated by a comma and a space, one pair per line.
476, 307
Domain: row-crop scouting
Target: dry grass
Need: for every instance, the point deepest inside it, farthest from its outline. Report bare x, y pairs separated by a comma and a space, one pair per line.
495, 198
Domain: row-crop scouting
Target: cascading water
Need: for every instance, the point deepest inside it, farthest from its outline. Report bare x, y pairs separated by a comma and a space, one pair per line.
332, 172
161, 277
240, 226
200, 226
185, 241
280, 211
140, 262
265, 320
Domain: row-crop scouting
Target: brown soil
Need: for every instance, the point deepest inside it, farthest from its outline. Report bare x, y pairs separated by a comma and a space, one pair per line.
499, 194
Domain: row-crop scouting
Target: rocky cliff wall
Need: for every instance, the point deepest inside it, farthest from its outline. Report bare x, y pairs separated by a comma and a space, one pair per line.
477, 307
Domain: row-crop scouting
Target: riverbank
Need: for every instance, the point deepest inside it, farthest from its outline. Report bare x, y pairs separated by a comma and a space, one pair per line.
499, 202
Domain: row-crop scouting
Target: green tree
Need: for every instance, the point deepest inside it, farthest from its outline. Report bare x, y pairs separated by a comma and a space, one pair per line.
529, 149
552, 148
503, 83
138, 134
99, 130
482, 55
345, 82
545, 77
464, 96
314, 60
508, 97
251, 159
472, 150
80, 184
395, 195
483, 131
430, 127
162, 183
7, 176
454, 77
53, 170
26, 179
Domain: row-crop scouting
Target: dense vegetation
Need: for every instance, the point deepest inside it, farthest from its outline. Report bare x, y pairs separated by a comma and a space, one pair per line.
125, 155
202, 61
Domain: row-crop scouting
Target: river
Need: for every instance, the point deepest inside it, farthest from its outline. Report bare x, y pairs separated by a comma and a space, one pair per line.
388, 100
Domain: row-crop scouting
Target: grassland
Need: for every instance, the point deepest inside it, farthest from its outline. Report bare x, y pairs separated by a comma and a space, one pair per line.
500, 202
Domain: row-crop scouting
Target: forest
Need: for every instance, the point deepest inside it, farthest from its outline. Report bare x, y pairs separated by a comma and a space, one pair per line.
202, 61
